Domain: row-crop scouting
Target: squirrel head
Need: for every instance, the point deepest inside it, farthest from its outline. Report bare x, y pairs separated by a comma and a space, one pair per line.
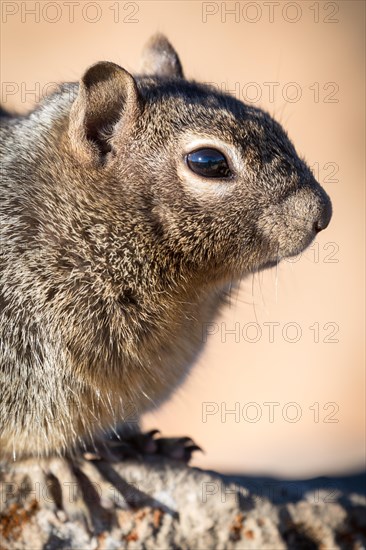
217, 181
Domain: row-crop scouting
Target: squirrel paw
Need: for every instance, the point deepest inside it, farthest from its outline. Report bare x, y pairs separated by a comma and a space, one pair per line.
144, 445
177, 448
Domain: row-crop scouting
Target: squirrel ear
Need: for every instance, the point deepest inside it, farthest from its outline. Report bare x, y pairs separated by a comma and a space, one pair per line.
159, 58
107, 93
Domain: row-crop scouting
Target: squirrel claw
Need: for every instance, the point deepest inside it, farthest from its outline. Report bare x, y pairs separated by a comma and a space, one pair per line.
176, 448
143, 446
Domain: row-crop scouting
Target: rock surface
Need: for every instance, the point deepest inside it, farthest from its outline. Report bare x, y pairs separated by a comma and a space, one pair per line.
166, 505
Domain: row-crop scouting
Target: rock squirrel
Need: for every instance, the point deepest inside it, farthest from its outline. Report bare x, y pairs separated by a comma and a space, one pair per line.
129, 206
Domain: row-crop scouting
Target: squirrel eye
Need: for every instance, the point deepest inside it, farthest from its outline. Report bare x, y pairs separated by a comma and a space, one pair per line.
209, 163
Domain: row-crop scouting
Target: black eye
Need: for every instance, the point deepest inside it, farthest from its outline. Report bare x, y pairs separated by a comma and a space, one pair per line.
209, 163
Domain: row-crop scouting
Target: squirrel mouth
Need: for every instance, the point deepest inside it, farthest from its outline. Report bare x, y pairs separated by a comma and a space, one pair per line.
270, 264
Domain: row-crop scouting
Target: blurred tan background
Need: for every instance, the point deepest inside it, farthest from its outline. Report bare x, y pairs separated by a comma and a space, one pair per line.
304, 62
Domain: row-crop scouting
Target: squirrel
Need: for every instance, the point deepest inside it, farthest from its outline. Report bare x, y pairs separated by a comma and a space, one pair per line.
130, 205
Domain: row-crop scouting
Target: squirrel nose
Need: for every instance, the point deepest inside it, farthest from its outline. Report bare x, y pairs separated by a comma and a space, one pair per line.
324, 218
